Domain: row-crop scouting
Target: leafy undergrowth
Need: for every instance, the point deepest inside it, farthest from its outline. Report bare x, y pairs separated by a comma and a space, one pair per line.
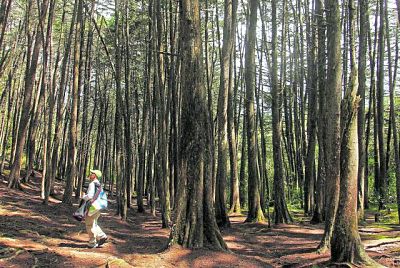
35, 235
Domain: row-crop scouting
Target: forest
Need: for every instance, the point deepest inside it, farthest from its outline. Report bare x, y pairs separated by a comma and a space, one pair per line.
227, 133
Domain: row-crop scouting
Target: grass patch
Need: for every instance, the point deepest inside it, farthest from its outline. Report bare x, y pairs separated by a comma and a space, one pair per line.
376, 236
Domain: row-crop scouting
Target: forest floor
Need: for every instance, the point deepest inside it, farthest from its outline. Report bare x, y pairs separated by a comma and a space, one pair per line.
35, 235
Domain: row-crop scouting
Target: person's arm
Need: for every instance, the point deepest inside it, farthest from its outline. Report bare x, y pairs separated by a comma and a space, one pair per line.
90, 192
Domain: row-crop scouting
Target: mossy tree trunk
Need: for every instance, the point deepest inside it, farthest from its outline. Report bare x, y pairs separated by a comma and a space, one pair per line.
346, 244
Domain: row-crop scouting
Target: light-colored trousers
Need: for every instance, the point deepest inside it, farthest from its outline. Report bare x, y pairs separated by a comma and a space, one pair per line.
94, 231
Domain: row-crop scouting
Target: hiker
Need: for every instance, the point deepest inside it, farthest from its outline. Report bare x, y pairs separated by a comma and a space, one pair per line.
96, 236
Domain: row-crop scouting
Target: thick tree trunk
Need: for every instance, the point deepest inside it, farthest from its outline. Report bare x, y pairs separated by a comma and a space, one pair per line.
346, 243
195, 226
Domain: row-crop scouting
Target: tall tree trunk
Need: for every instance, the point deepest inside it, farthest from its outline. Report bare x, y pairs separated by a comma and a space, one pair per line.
362, 57
14, 178
52, 167
319, 197
127, 111
346, 242
4, 12
382, 179
332, 121
119, 161
73, 128
33, 128
396, 149
196, 226
222, 113
146, 108
281, 212
255, 213
309, 198
243, 166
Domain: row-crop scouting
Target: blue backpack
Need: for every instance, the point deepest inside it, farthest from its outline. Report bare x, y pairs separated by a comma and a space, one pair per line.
99, 201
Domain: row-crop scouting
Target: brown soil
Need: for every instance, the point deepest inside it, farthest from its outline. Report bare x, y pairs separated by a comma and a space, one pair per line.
35, 235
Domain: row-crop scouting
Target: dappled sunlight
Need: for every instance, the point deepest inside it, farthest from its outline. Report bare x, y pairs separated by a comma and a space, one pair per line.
49, 234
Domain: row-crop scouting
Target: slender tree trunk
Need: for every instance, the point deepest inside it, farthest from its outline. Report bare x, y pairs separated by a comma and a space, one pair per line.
146, 108
222, 113
332, 121
309, 198
382, 179
362, 57
4, 12
319, 197
396, 149
73, 128
14, 178
243, 161
281, 212
52, 167
255, 213
119, 161
127, 110
160, 97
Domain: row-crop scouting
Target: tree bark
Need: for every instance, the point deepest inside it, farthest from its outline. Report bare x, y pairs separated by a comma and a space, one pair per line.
332, 121
73, 128
14, 178
382, 179
222, 113
346, 242
195, 226
255, 213
281, 212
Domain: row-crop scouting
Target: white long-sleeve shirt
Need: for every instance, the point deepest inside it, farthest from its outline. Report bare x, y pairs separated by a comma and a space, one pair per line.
91, 190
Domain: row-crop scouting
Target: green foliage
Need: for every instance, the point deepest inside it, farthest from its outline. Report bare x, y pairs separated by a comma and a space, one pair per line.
388, 216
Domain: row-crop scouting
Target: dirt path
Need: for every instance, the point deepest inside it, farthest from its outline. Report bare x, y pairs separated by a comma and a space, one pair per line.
34, 235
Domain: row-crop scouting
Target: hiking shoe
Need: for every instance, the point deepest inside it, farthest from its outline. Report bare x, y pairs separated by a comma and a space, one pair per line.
102, 240
93, 245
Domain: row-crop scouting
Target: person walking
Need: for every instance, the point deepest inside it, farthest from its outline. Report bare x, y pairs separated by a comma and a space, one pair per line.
96, 235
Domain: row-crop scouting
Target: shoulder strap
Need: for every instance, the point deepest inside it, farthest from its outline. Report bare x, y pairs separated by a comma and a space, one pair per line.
99, 189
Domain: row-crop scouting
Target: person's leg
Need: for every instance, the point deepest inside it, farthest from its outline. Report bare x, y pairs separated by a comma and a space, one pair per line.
100, 235
90, 222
